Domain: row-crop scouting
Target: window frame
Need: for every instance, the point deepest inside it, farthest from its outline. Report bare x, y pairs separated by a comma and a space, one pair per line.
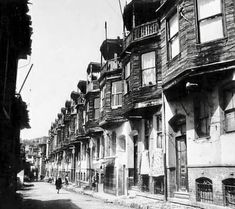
148, 69
170, 39
148, 125
87, 112
116, 94
159, 131
198, 118
127, 78
208, 19
230, 86
96, 108
102, 98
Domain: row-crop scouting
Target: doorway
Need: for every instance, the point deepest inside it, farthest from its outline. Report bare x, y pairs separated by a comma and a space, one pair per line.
181, 163
135, 159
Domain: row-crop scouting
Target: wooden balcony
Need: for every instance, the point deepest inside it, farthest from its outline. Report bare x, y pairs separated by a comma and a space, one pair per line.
141, 32
92, 86
110, 65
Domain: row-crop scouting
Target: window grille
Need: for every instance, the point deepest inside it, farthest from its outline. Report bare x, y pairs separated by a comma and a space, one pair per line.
229, 192
204, 190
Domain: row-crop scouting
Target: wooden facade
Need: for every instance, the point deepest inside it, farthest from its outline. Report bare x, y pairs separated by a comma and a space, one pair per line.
195, 82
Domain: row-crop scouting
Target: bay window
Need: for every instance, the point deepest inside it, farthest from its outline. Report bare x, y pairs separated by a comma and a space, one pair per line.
148, 69
210, 20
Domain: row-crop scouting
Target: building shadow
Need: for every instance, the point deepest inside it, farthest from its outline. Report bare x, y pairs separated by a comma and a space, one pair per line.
50, 204
20, 203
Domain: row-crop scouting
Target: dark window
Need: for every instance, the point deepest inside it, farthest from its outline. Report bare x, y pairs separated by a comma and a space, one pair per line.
127, 72
210, 20
113, 144
229, 192
202, 125
159, 131
204, 190
229, 108
147, 130
145, 183
158, 185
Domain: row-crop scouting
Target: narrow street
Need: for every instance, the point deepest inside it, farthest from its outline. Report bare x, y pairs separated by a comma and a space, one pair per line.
41, 195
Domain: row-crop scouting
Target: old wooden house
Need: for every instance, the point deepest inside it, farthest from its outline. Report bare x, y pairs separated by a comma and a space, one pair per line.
197, 56
141, 61
111, 120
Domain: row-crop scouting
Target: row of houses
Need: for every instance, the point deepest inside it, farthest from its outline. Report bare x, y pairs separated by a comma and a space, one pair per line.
35, 154
157, 114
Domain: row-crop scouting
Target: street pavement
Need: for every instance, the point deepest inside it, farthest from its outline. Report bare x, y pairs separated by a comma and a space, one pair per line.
41, 195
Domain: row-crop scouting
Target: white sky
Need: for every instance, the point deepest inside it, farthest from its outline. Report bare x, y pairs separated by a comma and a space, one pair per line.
67, 35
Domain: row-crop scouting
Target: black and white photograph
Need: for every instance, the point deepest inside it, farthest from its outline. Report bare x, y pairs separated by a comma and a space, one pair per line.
116, 104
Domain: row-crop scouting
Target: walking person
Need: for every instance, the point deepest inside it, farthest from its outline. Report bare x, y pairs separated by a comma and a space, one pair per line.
66, 180
58, 184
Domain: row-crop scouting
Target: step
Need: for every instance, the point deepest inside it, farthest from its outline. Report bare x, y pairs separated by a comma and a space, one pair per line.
181, 195
135, 188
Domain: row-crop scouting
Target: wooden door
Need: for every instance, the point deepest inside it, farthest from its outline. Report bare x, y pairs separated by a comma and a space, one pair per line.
181, 157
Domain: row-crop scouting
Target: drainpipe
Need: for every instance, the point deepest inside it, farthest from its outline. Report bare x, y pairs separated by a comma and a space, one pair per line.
164, 159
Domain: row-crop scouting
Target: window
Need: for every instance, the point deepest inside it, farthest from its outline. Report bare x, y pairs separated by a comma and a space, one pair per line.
97, 108
148, 69
103, 91
116, 94
159, 131
87, 111
229, 192
204, 190
158, 185
210, 20
113, 144
173, 36
229, 107
202, 126
127, 72
145, 183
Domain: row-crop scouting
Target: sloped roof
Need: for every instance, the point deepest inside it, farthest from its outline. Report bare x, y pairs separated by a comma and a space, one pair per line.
144, 11
111, 46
